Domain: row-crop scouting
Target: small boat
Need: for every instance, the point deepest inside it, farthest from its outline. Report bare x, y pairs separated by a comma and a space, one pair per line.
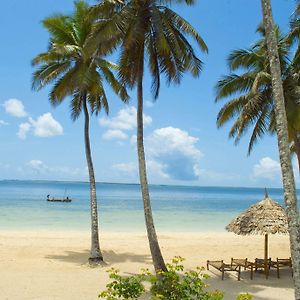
64, 199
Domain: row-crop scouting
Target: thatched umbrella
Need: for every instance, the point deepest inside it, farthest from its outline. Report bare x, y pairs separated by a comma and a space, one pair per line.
265, 217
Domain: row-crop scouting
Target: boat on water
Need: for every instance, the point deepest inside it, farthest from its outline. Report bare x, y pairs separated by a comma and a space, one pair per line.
64, 199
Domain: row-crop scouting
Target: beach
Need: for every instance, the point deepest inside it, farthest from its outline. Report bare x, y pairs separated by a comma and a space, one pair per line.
44, 264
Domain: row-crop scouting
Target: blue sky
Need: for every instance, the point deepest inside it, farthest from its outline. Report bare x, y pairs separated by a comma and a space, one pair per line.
183, 144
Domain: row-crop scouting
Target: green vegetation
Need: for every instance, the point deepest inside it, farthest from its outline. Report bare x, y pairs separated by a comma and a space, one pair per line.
246, 296
251, 81
174, 284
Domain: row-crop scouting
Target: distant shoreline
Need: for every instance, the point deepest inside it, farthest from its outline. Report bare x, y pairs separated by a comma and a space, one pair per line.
137, 184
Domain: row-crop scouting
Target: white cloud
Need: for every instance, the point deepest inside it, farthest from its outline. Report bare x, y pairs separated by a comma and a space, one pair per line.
3, 123
156, 169
267, 168
148, 104
24, 128
40, 168
126, 167
123, 121
115, 134
37, 165
176, 152
171, 154
15, 108
46, 126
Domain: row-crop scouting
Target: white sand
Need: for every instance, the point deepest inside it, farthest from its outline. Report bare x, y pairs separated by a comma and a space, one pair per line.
52, 265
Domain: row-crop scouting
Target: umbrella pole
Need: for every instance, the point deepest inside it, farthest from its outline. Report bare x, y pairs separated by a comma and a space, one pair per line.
266, 257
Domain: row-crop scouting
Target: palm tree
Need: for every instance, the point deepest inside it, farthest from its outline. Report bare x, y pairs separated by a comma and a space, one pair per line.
80, 76
252, 105
149, 29
283, 144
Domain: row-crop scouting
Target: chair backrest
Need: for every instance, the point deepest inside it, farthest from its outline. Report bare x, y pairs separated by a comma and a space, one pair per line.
285, 261
239, 261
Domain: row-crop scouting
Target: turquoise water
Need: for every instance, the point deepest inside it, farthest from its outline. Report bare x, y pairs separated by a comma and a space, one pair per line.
23, 205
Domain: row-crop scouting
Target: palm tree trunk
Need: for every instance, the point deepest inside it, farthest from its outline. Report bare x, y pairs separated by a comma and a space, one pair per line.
96, 255
157, 258
283, 145
297, 148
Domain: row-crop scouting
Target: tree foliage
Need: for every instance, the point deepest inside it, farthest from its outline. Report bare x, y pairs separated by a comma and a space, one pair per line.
249, 89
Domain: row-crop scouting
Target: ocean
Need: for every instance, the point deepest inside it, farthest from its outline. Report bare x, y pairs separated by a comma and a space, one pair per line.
23, 206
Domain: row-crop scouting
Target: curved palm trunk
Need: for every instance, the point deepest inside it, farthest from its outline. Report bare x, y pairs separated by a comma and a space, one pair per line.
96, 255
157, 258
297, 148
283, 145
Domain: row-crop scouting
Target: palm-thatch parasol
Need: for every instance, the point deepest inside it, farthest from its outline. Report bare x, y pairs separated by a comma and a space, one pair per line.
265, 217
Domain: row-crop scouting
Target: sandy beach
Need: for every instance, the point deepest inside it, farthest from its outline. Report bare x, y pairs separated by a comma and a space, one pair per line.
53, 265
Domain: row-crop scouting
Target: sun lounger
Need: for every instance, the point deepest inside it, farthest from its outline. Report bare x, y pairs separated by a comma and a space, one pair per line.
243, 262
223, 267
282, 263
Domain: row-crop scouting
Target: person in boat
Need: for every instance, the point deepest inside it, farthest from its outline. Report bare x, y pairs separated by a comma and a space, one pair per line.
48, 197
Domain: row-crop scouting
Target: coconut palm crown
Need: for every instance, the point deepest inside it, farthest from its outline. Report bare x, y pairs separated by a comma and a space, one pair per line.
150, 28
249, 89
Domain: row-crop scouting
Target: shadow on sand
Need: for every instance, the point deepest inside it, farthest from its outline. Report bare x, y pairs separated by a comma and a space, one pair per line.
110, 257
232, 287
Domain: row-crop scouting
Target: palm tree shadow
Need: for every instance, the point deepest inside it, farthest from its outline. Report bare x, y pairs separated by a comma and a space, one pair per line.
110, 257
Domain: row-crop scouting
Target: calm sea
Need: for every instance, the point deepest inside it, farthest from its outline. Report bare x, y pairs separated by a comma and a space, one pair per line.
23, 205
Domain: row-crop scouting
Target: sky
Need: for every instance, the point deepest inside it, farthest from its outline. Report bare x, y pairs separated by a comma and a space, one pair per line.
183, 144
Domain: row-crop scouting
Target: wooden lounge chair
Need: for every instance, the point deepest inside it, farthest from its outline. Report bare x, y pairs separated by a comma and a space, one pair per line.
243, 262
223, 267
282, 263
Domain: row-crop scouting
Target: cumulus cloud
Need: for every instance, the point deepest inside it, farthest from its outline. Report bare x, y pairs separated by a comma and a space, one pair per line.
115, 134
3, 123
125, 167
24, 128
15, 108
125, 120
40, 168
157, 169
267, 168
154, 169
37, 165
171, 154
44, 126
176, 152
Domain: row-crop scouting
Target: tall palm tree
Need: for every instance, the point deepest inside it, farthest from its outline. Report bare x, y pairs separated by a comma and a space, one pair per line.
283, 144
79, 75
250, 85
149, 29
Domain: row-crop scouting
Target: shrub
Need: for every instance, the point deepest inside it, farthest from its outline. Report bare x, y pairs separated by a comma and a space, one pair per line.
175, 284
122, 287
244, 297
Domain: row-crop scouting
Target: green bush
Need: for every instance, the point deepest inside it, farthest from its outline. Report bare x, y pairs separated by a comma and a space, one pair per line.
175, 284
244, 297
122, 287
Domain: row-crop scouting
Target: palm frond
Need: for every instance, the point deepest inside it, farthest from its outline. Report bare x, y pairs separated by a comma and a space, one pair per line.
234, 84
48, 73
